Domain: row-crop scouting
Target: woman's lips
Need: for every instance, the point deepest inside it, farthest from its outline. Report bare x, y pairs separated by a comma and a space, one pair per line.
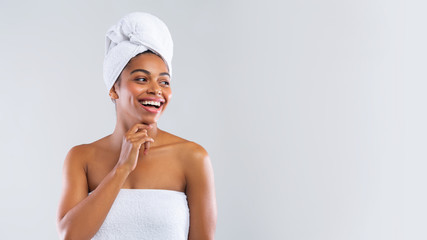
152, 109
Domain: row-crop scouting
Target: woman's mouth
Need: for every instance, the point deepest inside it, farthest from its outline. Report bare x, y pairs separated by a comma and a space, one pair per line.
151, 106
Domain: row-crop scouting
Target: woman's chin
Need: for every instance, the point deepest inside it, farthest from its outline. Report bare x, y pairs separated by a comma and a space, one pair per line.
149, 120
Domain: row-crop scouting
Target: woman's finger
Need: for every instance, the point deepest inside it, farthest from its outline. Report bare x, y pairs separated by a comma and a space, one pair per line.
135, 128
138, 135
132, 137
141, 126
147, 143
146, 147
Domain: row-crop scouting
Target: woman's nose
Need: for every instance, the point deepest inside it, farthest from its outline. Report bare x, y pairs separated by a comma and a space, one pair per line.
155, 88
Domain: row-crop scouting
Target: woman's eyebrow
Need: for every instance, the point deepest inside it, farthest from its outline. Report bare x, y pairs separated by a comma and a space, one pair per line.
164, 74
148, 72
140, 70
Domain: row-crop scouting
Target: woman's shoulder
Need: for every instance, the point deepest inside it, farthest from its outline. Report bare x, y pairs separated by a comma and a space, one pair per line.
80, 153
192, 155
194, 158
185, 146
85, 151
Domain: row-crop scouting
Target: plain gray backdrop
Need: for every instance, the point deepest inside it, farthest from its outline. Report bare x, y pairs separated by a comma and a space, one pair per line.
313, 112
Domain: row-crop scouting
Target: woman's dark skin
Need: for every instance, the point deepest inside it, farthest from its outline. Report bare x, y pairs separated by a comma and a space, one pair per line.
118, 160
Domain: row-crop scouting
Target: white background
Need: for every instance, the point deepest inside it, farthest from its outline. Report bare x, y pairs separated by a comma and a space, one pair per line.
313, 112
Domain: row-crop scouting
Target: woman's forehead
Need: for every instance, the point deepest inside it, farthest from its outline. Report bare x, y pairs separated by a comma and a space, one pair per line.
147, 61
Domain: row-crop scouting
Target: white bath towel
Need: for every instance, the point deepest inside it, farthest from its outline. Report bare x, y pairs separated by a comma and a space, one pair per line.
133, 34
147, 214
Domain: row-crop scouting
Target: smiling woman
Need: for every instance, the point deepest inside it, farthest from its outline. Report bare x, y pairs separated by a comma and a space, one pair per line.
139, 182
145, 73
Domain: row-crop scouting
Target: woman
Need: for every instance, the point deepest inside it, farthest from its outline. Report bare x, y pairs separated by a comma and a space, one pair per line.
139, 182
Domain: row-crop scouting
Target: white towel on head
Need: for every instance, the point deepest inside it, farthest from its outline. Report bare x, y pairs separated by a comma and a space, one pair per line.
135, 33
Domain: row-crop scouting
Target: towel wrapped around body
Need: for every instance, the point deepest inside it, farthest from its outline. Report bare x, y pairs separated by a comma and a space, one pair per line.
147, 214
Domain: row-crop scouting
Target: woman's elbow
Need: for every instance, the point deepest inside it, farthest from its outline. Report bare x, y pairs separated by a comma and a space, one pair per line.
63, 231
66, 231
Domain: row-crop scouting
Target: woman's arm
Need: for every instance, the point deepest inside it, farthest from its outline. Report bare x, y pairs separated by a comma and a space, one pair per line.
200, 192
80, 216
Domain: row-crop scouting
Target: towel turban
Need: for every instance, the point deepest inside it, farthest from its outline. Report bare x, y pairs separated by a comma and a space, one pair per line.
135, 33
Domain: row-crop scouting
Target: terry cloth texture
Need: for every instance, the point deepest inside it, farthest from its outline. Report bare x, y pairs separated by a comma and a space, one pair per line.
147, 214
135, 33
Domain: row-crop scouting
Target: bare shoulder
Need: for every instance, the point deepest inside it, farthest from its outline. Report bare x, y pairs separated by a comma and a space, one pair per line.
170, 138
194, 155
195, 151
79, 154
187, 149
84, 152
82, 149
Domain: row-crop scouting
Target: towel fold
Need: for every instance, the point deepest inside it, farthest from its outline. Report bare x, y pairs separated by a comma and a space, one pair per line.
135, 33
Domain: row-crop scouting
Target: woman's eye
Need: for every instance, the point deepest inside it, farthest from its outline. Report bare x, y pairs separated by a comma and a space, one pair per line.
165, 82
141, 79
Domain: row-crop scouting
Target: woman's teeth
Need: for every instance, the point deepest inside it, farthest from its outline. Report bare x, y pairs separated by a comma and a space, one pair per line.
151, 103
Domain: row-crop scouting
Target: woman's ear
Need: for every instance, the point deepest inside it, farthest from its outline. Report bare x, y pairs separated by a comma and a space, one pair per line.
113, 93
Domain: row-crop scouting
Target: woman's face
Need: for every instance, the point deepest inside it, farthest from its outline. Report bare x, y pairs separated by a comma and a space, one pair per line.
144, 90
